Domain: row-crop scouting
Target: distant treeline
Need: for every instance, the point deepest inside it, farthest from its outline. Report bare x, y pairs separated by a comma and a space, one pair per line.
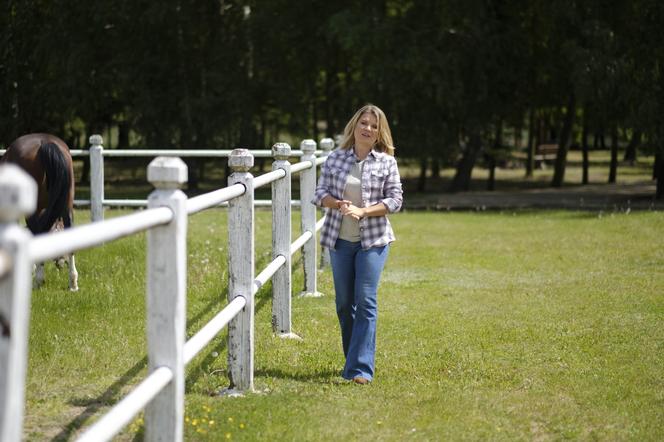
460, 80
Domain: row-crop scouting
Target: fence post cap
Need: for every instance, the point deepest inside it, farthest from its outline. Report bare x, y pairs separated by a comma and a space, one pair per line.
18, 193
96, 140
308, 146
241, 160
167, 173
327, 144
281, 151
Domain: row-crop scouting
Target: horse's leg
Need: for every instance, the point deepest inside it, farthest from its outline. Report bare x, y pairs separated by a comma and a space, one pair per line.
68, 222
39, 275
73, 273
59, 226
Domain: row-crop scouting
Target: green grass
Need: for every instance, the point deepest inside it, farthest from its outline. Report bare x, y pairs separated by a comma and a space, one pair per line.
533, 325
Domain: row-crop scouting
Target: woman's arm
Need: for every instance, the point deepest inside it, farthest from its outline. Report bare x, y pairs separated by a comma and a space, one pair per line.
332, 203
379, 209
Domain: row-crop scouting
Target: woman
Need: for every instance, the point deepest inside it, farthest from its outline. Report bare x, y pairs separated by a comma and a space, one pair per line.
359, 185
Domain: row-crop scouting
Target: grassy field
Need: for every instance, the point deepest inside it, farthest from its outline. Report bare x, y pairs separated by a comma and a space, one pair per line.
533, 325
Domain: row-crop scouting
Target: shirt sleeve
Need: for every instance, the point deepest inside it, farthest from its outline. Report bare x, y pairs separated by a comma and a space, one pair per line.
323, 188
392, 191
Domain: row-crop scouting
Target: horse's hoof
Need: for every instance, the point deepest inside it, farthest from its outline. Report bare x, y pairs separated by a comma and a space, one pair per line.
73, 289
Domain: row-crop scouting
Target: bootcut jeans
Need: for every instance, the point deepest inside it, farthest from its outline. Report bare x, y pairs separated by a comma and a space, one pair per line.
356, 274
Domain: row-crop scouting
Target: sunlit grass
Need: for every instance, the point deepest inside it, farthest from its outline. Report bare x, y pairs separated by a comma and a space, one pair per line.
528, 325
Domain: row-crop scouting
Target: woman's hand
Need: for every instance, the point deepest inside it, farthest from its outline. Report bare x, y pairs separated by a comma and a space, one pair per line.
352, 211
342, 203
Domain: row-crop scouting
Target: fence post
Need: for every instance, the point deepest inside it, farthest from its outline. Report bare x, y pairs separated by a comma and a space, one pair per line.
241, 272
18, 197
281, 241
308, 223
96, 178
326, 144
166, 298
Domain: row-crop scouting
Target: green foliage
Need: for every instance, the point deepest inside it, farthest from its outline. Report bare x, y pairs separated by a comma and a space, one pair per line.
449, 73
502, 326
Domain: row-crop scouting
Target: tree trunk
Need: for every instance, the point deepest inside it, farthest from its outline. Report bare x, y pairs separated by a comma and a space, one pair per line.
123, 135
491, 182
435, 168
613, 167
565, 132
314, 108
188, 137
630, 151
422, 180
464, 168
517, 137
491, 156
658, 172
193, 178
530, 160
584, 150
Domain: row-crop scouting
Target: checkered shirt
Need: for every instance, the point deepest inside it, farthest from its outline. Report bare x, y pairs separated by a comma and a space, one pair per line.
380, 184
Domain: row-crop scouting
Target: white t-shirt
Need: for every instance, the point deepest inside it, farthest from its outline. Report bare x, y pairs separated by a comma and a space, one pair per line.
350, 227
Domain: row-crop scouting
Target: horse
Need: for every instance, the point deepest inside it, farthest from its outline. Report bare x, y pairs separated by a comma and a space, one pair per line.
47, 160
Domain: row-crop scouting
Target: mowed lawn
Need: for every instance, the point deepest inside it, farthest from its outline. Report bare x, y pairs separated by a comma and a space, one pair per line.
532, 325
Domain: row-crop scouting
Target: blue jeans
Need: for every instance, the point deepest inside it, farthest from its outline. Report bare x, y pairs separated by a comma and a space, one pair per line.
356, 274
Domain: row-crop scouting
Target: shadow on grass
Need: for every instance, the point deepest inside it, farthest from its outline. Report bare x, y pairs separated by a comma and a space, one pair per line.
110, 396
323, 377
107, 398
207, 362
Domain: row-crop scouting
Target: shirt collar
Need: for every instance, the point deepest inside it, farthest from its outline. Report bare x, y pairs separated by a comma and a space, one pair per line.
374, 153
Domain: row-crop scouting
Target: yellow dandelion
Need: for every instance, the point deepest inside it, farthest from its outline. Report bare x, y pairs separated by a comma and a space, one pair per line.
379, 422
242, 426
230, 419
211, 423
194, 422
228, 435
186, 418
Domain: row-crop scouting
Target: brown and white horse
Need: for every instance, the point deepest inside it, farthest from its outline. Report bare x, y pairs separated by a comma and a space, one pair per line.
46, 158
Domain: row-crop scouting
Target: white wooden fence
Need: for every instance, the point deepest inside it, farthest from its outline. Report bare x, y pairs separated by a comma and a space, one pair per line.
161, 393
97, 153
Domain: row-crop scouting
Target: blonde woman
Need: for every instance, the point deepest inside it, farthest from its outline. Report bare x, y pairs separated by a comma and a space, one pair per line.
360, 185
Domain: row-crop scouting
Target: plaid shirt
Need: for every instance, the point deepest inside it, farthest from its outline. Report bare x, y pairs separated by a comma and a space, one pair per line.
380, 184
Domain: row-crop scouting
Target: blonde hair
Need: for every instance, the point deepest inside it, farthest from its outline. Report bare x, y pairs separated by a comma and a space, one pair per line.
384, 141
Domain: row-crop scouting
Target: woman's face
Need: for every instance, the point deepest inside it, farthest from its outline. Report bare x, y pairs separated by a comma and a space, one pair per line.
366, 130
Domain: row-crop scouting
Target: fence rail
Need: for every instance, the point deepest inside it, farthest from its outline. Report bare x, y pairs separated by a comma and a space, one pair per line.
161, 393
97, 153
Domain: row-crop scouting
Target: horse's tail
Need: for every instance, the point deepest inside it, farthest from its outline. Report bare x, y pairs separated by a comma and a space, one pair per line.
58, 183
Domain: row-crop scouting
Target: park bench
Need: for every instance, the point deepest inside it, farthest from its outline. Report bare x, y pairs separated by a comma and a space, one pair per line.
544, 152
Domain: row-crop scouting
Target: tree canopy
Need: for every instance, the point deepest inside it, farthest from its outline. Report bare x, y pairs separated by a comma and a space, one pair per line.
450, 74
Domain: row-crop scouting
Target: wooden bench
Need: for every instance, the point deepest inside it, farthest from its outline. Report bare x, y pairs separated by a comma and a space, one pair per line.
544, 152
